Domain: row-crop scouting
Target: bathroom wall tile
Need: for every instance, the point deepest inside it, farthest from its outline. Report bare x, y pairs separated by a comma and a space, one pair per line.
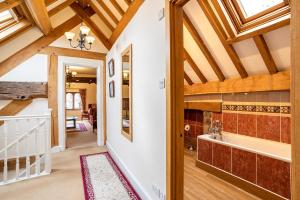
268, 127
205, 151
216, 116
230, 122
286, 130
230, 97
273, 175
199, 130
199, 116
222, 157
244, 164
247, 124
247, 97
268, 96
285, 96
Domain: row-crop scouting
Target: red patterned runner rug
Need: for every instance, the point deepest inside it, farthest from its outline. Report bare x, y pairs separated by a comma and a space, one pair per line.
103, 180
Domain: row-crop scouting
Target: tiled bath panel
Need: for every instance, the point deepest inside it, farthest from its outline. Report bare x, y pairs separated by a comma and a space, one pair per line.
244, 164
268, 173
222, 157
274, 175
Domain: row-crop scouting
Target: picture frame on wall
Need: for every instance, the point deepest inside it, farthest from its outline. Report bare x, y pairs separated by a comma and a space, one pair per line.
111, 68
111, 89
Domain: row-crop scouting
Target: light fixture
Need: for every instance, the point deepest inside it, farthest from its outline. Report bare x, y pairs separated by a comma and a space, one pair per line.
84, 42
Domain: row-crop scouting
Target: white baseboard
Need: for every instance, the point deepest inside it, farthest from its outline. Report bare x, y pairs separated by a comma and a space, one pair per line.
134, 182
56, 149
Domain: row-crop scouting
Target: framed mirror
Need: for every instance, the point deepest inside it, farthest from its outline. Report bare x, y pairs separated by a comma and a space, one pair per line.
126, 94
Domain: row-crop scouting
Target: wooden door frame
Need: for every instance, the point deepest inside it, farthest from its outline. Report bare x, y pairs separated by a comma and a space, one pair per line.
295, 98
175, 99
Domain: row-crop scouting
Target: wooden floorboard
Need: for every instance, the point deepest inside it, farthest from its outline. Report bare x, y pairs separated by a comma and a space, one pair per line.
200, 185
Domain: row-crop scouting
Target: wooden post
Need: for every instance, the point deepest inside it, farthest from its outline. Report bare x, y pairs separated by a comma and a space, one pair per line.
52, 96
175, 101
295, 98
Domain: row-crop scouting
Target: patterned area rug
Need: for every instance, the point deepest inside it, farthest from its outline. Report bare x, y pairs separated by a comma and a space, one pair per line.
103, 180
80, 127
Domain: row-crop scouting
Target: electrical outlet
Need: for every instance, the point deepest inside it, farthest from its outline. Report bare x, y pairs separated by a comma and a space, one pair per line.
158, 193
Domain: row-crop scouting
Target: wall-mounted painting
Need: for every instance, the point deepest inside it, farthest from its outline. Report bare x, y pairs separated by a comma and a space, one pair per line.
111, 68
112, 89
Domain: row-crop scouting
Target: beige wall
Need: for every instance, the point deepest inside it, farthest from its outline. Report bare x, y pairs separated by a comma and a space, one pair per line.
90, 96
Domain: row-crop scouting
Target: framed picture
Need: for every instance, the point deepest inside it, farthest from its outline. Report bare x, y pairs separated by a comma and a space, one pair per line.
111, 68
112, 89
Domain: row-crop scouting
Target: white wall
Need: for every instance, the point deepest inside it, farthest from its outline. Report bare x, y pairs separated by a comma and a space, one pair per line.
143, 159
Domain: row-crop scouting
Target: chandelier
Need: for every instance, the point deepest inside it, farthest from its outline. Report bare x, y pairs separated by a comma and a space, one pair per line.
69, 73
84, 41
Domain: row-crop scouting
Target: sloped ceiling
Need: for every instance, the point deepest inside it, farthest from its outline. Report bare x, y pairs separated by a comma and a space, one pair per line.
278, 42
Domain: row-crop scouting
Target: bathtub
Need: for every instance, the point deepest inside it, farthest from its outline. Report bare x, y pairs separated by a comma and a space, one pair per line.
259, 166
276, 150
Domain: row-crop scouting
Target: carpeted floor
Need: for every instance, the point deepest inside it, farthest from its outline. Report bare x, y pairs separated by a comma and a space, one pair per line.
79, 139
65, 182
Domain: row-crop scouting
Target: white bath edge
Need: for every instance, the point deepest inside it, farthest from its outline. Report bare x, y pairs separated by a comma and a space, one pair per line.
252, 150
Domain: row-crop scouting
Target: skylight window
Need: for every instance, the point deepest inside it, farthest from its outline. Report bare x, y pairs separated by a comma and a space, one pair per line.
254, 7
5, 16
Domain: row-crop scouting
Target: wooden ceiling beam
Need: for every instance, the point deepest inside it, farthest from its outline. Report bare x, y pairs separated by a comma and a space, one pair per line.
128, 2
265, 53
117, 7
194, 66
108, 11
181, 3
72, 53
85, 16
14, 107
102, 17
257, 83
188, 79
40, 15
49, 2
60, 7
32, 49
212, 18
129, 14
9, 4
192, 30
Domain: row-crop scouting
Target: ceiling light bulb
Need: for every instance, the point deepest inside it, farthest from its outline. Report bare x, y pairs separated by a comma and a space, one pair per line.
84, 30
69, 35
90, 39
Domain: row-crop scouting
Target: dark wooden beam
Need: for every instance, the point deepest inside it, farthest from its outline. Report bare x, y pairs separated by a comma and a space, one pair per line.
32, 49
265, 53
108, 11
194, 66
82, 80
188, 79
192, 30
118, 7
22, 90
101, 16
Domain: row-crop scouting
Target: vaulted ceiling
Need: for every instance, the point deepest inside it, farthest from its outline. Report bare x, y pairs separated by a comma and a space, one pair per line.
212, 55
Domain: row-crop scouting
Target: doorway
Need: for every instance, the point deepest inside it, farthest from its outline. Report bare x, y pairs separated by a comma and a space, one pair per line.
78, 127
81, 106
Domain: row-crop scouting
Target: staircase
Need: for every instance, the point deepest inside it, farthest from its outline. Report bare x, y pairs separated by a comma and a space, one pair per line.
25, 146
